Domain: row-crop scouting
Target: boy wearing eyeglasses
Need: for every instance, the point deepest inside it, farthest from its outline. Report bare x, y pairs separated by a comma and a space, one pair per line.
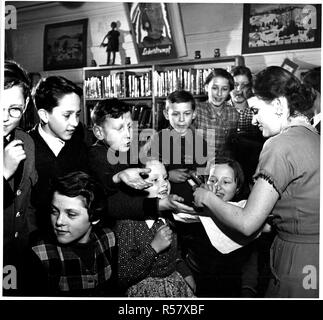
19, 173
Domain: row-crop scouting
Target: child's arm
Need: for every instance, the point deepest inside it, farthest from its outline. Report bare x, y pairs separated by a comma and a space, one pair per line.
13, 154
184, 270
134, 264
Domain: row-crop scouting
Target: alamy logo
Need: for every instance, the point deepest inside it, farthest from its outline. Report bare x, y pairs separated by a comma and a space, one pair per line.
10, 17
310, 280
9, 277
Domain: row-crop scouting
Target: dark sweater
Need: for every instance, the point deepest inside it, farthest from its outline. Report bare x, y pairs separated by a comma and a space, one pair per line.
123, 202
174, 150
18, 214
72, 157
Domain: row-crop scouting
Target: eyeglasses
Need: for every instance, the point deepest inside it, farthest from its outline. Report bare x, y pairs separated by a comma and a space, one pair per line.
242, 86
14, 112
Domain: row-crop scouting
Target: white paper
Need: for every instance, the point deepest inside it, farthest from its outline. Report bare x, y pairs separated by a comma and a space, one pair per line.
219, 240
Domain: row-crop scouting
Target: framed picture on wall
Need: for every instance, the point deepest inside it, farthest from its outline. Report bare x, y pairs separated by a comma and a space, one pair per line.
65, 45
156, 30
278, 27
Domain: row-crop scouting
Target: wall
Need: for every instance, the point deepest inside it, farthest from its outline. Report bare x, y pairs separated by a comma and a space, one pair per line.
206, 26
211, 26
27, 40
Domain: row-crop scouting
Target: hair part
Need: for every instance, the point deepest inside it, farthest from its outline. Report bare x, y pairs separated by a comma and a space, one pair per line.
219, 72
180, 96
242, 71
108, 108
15, 75
235, 165
81, 184
50, 90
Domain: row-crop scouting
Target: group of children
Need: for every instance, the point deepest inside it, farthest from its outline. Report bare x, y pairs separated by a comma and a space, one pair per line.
91, 221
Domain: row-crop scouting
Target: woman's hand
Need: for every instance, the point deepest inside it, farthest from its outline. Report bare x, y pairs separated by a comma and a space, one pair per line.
178, 175
163, 238
175, 203
133, 178
201, 194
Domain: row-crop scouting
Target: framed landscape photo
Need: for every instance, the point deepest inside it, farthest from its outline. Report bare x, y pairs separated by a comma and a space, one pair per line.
156, 30
278, 27
65, 45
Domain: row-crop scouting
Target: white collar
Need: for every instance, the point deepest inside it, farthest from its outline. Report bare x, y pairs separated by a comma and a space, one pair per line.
150, 222
55, 144
316, 119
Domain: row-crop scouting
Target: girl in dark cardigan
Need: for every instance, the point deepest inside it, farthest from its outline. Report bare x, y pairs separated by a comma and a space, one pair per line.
149, 263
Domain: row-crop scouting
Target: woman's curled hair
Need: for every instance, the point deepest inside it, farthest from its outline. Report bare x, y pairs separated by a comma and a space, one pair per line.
275, 82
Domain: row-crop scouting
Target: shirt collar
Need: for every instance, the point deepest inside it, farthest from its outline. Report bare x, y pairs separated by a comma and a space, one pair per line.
55, 144
215, 111
150, 222
316, 119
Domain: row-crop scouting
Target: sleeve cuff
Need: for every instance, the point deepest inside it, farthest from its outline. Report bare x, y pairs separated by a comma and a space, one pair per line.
150, 207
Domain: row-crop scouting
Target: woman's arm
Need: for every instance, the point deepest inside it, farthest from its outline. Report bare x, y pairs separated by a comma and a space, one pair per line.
247, 220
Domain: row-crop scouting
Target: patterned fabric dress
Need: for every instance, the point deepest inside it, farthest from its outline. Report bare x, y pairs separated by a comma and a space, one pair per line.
141, 271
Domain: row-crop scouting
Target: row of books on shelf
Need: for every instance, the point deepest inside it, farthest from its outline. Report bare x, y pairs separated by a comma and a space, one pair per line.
191, 80
143, 115
119, 85
137, 85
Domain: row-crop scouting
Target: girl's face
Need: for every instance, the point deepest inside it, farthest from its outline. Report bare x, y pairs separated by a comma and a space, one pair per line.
223, 181
70, 219
268, 116
218, 90
159, 178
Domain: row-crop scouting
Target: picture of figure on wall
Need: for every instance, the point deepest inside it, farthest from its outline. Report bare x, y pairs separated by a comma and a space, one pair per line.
152, 31
112, 44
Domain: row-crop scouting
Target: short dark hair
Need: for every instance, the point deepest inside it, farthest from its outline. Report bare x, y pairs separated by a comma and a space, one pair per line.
51, 89
313, 79
180, 96
108, 108
81, 184
274, 82
235, 165
113, 24
15, 75
242, 71
219, 72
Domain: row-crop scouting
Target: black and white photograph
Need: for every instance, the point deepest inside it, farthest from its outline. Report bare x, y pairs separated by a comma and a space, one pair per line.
162, 157
272, 27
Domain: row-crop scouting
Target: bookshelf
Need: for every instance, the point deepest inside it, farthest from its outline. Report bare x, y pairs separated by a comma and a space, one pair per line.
146, 86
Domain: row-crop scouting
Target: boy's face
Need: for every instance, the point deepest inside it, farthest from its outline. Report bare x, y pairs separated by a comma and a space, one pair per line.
70, 219
180, 116
117, 132
13, 102
223, 181
159, 178
62, 121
